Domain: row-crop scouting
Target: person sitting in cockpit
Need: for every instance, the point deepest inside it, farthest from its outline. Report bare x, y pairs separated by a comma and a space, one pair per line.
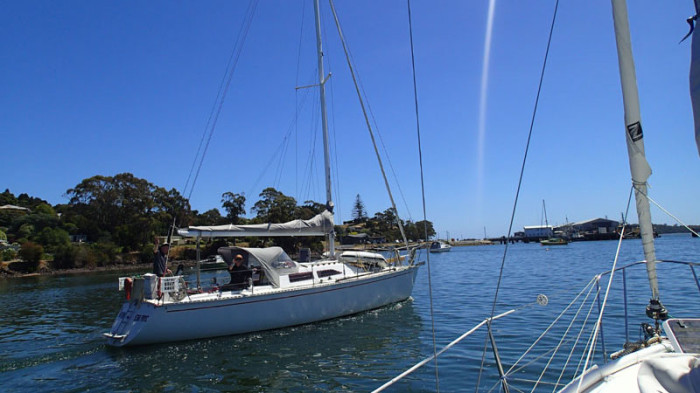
239, 273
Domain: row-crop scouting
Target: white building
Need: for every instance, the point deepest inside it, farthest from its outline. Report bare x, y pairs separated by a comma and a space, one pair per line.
537, 231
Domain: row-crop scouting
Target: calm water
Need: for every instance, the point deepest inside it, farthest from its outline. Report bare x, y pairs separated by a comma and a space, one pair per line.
50, 330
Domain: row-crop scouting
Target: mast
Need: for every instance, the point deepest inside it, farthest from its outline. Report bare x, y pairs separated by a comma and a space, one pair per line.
639, 168
324, 124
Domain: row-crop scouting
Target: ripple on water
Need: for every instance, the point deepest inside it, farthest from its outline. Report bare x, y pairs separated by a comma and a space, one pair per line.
51, 329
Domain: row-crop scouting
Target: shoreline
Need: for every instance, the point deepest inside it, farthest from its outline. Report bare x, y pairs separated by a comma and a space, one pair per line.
6, 272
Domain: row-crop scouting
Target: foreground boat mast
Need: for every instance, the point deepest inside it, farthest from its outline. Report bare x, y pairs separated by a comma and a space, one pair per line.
324, 122
639, 167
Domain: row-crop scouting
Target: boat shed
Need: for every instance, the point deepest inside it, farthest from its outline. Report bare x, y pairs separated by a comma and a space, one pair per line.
600, 225
538, 231
593, 229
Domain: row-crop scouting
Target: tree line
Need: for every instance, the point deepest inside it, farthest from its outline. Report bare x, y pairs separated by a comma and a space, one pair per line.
114, 219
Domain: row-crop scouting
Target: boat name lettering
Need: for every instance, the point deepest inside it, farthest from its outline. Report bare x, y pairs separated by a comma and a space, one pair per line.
140, 317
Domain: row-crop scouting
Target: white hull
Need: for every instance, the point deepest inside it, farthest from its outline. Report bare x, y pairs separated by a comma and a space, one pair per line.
229, 313
439, 247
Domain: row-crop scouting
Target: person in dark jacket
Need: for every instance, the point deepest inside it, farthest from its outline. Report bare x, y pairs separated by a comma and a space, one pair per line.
160, 259
239, 273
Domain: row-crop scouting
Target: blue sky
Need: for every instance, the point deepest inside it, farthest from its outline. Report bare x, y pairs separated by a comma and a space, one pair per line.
99, 88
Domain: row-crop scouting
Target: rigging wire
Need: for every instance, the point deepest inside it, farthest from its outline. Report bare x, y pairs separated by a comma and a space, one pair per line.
379, 135
607, 290
228, 76
296, 102
367, 122
336, 184
422, 189
520, 181
277, 154
311, 166
578, 338
386, 152
587, 289
678, 220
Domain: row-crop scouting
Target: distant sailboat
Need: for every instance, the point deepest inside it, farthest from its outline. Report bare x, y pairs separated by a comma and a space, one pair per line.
552, 240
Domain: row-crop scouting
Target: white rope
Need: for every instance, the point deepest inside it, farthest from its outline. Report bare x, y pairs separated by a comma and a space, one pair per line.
555, 350
605, 301
578, 338
568, 329
440, 352
590, 343
547, 330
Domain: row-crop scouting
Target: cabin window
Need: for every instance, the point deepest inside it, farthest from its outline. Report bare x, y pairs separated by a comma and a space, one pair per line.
326, 273
300, 276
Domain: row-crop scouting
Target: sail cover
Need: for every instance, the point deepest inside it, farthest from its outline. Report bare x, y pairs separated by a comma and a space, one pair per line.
320, 225
695, 83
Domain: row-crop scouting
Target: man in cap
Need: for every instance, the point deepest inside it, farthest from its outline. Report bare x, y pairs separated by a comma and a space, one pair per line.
239, 273
160, 267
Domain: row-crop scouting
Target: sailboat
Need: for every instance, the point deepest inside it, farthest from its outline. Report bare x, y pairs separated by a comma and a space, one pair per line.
667, 358
552, 240
280, 292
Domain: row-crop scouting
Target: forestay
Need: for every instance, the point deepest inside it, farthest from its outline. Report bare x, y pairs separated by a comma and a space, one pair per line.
320, 225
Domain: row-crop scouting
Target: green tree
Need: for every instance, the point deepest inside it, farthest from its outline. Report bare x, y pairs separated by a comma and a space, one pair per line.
421, 227
25, 231
309, 209
64, 257
274, 206
124, 209
234, 204
31, 253
44, 208
8, 254
386, 220
3, 236
358, 211
52, 239
24, 200
209, 217
8, 198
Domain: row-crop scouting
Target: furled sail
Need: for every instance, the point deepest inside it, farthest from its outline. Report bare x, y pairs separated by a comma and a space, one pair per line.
639, 167
320, 225
695, 77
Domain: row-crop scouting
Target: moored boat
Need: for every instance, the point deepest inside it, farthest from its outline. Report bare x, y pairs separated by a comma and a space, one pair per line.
279, 291
439, 246
554, 241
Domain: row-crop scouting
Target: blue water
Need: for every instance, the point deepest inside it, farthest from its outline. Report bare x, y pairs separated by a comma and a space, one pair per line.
50, 329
